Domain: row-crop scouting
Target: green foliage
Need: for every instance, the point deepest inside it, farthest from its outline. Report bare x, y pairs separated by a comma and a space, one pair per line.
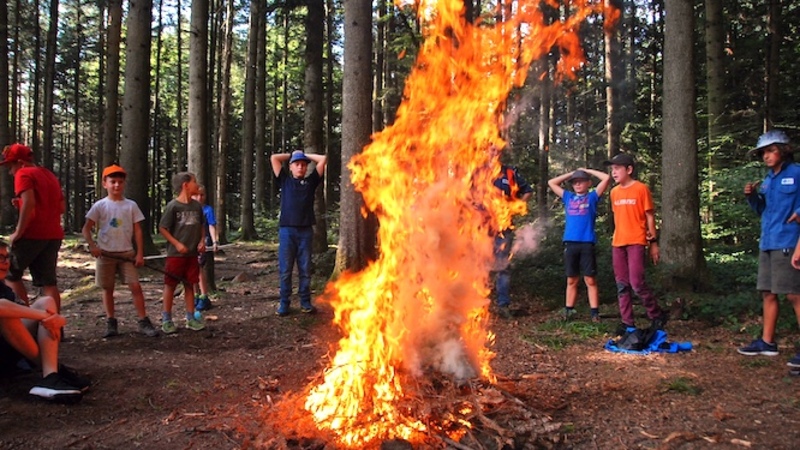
682, 385
557, 334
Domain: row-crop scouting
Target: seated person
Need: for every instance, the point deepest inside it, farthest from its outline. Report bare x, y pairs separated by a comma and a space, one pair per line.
34, 333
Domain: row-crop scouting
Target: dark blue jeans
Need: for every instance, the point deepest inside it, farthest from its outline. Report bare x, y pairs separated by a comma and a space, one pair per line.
502, 280
294, 245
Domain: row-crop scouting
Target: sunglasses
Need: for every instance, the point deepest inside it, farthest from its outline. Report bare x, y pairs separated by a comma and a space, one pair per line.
5, 258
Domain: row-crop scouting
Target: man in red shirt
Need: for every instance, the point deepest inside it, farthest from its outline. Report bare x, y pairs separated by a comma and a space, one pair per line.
37, 239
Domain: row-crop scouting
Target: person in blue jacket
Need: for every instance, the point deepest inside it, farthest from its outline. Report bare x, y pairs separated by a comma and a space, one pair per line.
777, 200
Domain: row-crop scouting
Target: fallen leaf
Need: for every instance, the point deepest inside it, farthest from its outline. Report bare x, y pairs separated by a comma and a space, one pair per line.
741, 442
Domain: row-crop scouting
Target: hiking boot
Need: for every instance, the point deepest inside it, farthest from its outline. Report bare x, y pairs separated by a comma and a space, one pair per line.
759, 347
72, 378
503, 312
659, 322
568, 314
55, 389
194, 325
168, 327
795, 361
111, 328
308, 309
146, 327
622, 328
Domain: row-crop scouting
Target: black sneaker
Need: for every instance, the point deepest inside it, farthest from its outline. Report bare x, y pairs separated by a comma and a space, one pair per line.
659, 322
72, 378
111, 328
622, 328
55, 389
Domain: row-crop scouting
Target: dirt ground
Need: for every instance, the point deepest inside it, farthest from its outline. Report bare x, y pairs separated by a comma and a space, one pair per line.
219, 388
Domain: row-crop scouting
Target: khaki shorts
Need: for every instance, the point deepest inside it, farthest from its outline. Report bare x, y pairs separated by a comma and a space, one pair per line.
106, 269
776, 274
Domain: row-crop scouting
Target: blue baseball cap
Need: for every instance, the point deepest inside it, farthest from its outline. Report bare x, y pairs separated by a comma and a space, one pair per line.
298, 155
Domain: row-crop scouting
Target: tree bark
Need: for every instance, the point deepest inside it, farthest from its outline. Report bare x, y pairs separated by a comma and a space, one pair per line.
111, 116
771, 88
135, 112
46, 157
223, 134
357, 234
314, 109
197, 145
248, 125
681, 243
6, 188
613, 75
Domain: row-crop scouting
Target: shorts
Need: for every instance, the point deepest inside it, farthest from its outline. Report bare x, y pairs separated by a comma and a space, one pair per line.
776, 274
579, 259
9, 356
39, 256
181, 269
106, 269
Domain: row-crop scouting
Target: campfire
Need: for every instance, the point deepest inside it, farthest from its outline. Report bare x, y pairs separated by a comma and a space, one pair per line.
414, 322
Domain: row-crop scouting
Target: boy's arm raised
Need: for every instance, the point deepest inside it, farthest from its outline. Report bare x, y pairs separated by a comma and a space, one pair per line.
605, 180
555, 183
277, 161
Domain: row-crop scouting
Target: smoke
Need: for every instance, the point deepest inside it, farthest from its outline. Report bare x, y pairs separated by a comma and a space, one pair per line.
527, 239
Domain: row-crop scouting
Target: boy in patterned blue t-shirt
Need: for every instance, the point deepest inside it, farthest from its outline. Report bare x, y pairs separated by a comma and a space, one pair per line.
579, 236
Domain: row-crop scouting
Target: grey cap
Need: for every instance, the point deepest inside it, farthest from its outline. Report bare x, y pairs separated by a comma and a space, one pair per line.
579, 175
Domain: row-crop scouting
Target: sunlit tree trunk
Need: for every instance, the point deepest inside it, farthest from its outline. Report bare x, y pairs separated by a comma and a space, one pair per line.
197, 145
613, 74
223, 134
681, 243
248, 125
180, 148
380, 66
46, 157
111, 115
718, 157
772, 66
544, 135
357, 234
135, 110
314, 108
6, 188
263, 173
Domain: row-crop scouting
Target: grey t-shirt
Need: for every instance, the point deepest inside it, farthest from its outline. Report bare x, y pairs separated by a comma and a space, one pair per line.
185, 222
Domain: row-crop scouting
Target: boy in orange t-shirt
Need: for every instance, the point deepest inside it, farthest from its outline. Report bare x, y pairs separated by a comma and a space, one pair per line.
634, 230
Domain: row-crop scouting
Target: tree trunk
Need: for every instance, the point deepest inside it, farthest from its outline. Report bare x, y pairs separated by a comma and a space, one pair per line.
773, 63
135, 111
314, 109
357, 234
248, 125
544, 135
46, 157
111, 116
6, 188
333, 169
613, 74
197, 145
223, 134
681, 243
718, 158
263, 170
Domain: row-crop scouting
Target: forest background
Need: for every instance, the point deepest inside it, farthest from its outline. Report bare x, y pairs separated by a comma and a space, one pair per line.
215, 87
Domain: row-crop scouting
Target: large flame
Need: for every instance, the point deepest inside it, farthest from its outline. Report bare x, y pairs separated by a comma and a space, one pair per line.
428, 178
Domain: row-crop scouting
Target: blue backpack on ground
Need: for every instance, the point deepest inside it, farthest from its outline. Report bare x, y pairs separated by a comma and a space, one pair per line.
642, 341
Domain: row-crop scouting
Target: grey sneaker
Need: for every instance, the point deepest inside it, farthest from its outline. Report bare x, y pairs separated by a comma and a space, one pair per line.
111, 328
195, 325
146, 327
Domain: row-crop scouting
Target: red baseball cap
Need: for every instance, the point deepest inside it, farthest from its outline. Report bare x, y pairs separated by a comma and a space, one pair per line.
112, 169
16, 152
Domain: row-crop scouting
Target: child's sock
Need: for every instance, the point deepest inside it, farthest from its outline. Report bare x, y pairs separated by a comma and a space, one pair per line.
595, 312
189, 315
166, 316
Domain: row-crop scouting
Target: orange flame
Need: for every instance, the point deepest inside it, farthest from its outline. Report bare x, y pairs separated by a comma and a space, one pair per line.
428, 178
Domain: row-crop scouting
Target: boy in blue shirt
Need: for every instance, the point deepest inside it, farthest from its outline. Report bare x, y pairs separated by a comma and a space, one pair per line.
777, 201
579, 238
295, 233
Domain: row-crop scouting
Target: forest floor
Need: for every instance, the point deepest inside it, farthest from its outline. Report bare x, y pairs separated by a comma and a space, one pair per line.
222, 388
